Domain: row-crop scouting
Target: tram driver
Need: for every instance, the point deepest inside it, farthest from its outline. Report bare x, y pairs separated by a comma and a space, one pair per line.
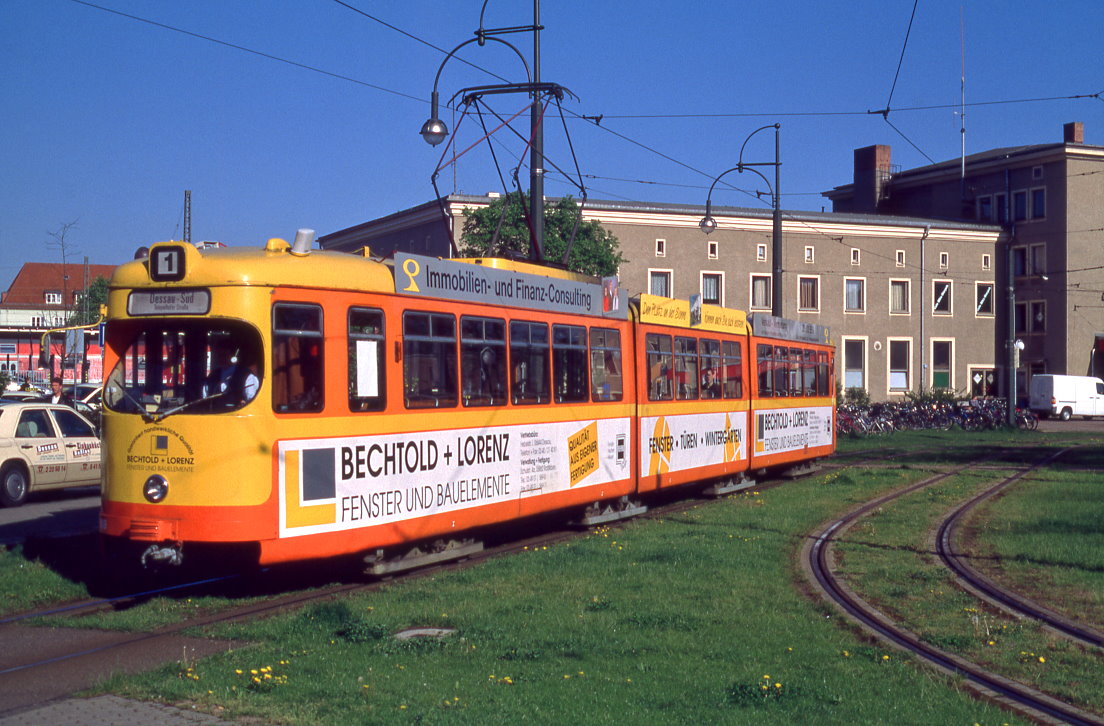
231, 377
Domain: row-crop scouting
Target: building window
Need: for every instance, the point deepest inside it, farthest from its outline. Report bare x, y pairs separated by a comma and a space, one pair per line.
1038, 259
712, 287
761, 292
987, 261
760, 253
661, 248
1000, 205
1038, 203
1021, 318
711, 247
944, 260
659, 282
808, 293
1036, 172
854, 363
1038, 316
899, 359
984, 299
854, 295
983, 382
900, 258
941, 297
899, 296
810, 257
1019, 205
942, 355
985, 209
856, 255
53, 297
1019, 261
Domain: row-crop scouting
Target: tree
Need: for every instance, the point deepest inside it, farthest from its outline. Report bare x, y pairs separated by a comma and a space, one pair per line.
595, 251
88, 303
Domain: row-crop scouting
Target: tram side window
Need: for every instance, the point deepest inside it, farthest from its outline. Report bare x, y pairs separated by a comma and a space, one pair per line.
660, 367
711, 369
607, 381
297, 370
808, 373
529, 362
732, 372
569, 363
686, 368
483, 361
367, 371
429, 360
765, 355
781, 371
823, 383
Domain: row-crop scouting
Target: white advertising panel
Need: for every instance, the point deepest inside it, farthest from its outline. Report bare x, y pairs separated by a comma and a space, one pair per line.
330, 485
680, 442
778, 430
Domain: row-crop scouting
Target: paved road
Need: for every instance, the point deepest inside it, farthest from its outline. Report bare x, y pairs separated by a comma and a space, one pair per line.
1053, 425
58, 514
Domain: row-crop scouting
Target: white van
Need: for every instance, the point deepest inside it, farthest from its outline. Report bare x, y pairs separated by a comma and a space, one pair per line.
1066, 396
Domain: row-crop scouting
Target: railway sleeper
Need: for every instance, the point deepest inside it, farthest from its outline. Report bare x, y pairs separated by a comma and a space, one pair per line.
381, 562
611, 511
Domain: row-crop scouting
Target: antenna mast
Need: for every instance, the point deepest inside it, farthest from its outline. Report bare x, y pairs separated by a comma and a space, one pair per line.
188, 215
962, 109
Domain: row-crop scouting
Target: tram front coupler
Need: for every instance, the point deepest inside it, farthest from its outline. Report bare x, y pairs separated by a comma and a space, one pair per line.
166, 553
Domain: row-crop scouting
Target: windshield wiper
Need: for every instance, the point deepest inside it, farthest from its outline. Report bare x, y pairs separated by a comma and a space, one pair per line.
162, 415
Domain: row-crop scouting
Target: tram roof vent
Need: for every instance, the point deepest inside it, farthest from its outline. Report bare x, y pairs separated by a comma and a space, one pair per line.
304, 238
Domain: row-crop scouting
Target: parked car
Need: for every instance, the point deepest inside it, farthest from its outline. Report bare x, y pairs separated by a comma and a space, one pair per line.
1066, 396
89, 393
45, 446
21, 396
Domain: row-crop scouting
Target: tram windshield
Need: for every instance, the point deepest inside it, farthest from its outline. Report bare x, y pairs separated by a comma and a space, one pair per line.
172, 366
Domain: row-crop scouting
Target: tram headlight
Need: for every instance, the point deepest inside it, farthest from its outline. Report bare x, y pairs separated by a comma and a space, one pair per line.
155, 489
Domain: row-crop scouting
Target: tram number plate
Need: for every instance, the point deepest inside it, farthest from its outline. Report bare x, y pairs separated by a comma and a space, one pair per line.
169, 302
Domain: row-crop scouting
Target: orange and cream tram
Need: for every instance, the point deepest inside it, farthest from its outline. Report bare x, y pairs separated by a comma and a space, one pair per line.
284, 404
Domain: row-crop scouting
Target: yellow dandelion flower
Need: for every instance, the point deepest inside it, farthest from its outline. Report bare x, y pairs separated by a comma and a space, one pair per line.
566, 676
1042, 659
885, 657
253, 671
777, 685
766, 678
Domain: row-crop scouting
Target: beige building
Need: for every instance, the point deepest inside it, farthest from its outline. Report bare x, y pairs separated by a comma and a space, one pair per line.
1049, 199
910, 301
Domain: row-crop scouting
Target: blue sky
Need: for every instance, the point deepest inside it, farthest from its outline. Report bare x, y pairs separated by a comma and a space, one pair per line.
108, 119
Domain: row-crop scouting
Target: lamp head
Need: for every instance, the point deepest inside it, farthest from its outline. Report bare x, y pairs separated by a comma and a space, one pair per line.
434, 131
708, 224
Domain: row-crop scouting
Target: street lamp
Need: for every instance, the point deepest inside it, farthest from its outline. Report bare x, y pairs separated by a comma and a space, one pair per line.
708, 224
434, 130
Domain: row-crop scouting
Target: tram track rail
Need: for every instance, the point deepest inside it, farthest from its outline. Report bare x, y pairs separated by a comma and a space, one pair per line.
46, 674
818, 562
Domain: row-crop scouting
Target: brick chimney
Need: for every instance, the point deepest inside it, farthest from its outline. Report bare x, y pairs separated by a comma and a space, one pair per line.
1074, 133
871, 175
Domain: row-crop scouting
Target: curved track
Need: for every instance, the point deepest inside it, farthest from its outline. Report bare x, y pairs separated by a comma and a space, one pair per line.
981, 586
817, 560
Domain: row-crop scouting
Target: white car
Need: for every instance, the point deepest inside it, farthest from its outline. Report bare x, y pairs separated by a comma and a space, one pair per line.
45, 446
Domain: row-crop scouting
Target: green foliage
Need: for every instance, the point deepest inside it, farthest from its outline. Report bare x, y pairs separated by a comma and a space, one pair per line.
934, 395
856, 397
88, 303
595, 251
